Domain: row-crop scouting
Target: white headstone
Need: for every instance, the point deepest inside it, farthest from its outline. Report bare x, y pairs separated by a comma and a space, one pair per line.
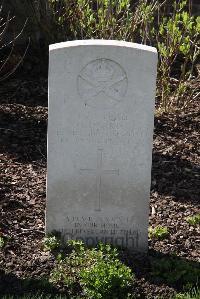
100, 128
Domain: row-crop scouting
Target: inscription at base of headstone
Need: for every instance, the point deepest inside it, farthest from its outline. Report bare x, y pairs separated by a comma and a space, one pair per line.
100, 129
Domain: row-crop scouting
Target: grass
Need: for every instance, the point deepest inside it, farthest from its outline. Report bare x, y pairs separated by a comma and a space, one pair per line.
2, 242
192, 294
159, 232
194, 220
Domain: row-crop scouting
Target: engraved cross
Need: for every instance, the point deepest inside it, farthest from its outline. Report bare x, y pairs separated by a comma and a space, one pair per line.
99, 172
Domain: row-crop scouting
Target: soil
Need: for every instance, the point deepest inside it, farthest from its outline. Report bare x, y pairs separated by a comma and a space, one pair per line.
175, 190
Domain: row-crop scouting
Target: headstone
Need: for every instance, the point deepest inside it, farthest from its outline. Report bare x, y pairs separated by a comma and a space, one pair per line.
100, 128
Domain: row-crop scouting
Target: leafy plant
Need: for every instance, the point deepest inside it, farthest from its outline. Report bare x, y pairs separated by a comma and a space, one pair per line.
175, 35
76, 245
106, 279
177, 39
98, 272
158, 232
37, 296
194, 220
51, 243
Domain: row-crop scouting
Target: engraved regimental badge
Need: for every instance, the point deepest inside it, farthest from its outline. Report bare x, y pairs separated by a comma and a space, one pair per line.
102, 83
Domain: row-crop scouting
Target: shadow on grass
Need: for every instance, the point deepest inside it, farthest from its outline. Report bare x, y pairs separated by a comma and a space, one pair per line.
13, 286
157, 269
173, 271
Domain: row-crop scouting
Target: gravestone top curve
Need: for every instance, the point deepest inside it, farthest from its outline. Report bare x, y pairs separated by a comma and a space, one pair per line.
101, 42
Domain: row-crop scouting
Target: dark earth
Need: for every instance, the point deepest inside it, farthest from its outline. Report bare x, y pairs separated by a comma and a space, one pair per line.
175, 191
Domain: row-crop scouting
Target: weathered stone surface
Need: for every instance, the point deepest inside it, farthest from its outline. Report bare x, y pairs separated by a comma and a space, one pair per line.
101, 106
